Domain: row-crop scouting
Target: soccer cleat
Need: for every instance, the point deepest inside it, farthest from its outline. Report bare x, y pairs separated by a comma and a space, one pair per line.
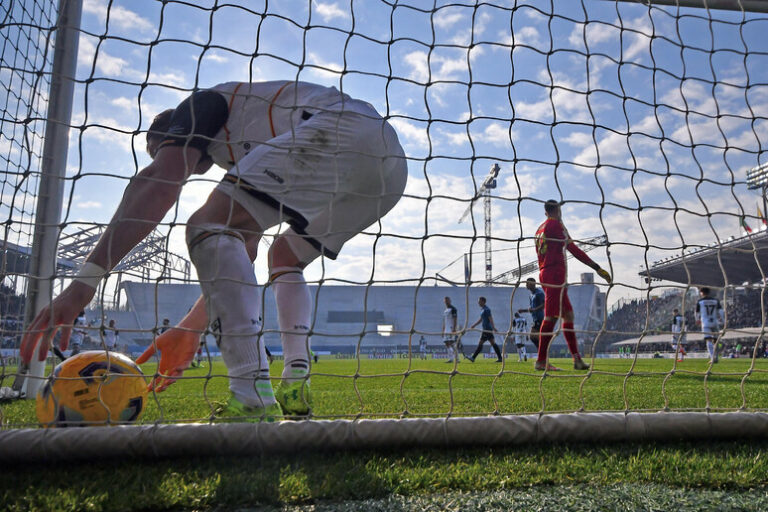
499, 360
450, 361
233, 410
579, 364
540, 367
295, 398
471, 359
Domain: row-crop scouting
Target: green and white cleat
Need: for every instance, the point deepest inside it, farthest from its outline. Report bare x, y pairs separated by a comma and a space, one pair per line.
233, 410
295, 398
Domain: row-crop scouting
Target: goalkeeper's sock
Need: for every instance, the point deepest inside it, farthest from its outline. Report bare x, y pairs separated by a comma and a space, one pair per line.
545, 336
570, 339
233, 301
294, 315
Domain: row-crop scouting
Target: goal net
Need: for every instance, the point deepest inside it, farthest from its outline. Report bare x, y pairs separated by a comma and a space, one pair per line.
647, 123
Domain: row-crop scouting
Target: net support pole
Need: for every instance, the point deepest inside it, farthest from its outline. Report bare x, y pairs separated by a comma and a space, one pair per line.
42, 264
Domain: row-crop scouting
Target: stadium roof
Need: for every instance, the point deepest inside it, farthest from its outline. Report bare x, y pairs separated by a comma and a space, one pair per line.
743, 260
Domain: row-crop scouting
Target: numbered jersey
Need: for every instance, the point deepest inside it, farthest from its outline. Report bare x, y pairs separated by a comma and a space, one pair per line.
677, 323
521, 325
709, 310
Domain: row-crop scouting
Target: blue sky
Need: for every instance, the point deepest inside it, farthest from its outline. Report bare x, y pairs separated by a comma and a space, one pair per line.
610, 107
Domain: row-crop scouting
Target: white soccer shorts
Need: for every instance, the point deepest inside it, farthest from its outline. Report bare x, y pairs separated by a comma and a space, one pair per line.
332, 176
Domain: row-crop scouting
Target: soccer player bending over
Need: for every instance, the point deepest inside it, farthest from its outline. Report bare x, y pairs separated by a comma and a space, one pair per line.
300, 153
552, 240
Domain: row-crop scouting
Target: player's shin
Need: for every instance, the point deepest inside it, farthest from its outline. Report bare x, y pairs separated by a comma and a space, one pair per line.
570, 339
545, 336
233, 301
294, 315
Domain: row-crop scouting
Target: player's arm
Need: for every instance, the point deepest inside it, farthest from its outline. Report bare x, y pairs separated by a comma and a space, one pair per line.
178, 345
146, 200
582, 257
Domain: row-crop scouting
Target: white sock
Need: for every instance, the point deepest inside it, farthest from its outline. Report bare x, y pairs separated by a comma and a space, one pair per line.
711, 349
233, 301
294, 316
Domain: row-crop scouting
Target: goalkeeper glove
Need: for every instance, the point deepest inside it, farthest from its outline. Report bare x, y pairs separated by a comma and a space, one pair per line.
605, 275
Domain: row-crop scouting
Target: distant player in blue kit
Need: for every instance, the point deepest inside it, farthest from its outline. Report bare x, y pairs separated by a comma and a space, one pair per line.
536, 309
486, 318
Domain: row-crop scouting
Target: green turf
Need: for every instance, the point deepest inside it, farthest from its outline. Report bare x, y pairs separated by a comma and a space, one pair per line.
645, 476
346, 388
716, 476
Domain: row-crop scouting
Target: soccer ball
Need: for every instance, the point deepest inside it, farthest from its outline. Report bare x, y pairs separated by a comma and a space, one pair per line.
92, 388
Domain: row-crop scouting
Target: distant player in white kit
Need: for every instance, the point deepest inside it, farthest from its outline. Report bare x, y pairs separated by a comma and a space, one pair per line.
520, 326
111, 336
678, 335
710, 314
78, 334
298, 153
450, 330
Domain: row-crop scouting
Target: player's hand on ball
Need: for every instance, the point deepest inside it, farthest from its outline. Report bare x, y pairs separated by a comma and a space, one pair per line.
177, 351
59, 314
605, 275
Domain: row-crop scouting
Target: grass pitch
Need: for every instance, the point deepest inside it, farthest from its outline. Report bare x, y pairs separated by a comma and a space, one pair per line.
629, 476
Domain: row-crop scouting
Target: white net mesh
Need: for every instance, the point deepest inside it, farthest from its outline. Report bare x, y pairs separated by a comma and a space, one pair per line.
642, 120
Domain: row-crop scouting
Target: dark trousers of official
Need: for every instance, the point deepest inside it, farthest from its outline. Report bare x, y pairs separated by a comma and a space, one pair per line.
487, 336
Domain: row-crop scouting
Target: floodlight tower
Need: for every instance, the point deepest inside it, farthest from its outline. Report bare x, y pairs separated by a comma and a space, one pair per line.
757, 178
485, 191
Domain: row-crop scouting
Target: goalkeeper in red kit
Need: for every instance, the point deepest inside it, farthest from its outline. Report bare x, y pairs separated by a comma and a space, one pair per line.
552, 240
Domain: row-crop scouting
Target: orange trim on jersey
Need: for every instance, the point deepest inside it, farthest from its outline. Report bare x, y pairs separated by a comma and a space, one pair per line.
226, 130
271, 104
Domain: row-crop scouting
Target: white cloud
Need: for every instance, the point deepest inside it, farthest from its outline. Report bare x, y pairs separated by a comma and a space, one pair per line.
88, 205
212, 56
329, 11
123, 103
118, 15
325, 68
413, 134
446, 18
107, 64
497, 134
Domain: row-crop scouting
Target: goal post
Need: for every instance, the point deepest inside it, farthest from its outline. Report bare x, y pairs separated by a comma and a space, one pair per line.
43, 259
641, 129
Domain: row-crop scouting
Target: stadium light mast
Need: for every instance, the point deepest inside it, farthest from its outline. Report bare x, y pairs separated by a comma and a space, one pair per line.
757, 178
485, 191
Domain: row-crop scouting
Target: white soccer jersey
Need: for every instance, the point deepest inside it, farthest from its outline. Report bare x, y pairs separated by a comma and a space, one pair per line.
520, 325
449, 318
78, 333
710, 311
110, 338
261, 110
677, 323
